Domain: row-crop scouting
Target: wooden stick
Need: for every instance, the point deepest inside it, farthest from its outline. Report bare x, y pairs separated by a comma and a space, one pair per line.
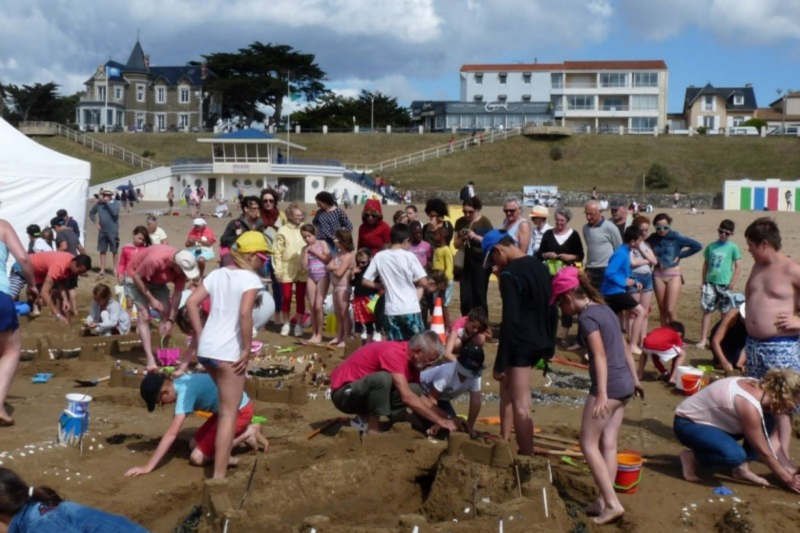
325, 425
544, 451
556, 438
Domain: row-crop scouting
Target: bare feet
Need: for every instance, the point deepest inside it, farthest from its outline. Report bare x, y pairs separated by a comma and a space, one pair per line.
314, 340
5, 420
743, 472
336, 342
233, 461
609, 514
595, 508
689, 466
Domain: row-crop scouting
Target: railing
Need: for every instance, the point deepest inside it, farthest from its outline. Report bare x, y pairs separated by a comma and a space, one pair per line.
602, 85
441, 150
93, 144
137, 180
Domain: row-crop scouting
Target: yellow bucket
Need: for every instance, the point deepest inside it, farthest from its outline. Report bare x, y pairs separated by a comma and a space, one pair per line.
330, 324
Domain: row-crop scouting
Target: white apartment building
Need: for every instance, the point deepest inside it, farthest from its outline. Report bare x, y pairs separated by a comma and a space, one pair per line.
596, 95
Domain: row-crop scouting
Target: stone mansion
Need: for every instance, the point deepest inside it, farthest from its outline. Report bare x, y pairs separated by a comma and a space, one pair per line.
135, 96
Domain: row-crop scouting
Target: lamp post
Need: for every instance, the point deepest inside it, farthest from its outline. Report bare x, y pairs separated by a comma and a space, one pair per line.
200, 97
372, 113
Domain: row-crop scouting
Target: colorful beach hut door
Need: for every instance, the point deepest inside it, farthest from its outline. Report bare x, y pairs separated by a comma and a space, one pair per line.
746, 199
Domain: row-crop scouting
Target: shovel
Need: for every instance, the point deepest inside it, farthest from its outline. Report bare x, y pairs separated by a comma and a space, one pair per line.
91, 382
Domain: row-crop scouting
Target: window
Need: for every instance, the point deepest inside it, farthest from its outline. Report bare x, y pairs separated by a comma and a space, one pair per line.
612, 104
644, 102
501, 97
738, 99
140, 88
101, 93
161, 122
643, 124
708, 102
737, 121
526, 77
557, 81
161, 95
478, 78
645, 79
613, 79
708, 122
526, 98
478, 97
580, 101
118, 93
184, 95
502, 77
183, 120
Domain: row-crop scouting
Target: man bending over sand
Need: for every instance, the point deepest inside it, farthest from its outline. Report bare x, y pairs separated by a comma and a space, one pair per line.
771, 296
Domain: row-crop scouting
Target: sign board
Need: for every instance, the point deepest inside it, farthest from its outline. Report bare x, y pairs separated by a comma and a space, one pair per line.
540, 195
241, 169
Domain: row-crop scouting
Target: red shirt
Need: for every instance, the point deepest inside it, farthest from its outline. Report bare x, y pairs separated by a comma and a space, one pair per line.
387, 356
53, 264
198, 235
154, 265
662, 339
376, 237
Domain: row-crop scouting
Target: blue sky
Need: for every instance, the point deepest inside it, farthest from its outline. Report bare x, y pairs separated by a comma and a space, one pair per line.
413, 49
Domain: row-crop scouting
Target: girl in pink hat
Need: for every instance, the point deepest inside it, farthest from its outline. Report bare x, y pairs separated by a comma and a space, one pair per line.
613, 384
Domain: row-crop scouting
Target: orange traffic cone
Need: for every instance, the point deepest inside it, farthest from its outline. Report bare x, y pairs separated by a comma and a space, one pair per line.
437, 321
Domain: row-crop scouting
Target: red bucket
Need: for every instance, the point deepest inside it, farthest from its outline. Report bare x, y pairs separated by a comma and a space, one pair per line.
691, 384
629, 473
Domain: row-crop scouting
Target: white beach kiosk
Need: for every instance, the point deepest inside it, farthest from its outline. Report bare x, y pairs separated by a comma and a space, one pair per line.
253, 158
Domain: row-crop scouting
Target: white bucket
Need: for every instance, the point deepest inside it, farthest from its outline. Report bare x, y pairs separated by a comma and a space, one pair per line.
78, 404
683, 370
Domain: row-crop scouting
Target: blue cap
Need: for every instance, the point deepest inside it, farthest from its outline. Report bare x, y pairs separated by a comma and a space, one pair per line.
490, 240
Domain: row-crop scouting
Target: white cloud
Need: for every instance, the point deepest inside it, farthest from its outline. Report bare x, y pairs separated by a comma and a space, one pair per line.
762, 22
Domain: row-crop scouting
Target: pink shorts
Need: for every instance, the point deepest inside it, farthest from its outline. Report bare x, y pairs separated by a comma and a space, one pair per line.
206, 435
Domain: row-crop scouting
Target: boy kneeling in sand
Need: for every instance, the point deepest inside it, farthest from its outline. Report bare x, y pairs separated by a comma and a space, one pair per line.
190, 393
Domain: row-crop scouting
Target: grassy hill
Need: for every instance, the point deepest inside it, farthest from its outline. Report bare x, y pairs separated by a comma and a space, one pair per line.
611, 163
104, 168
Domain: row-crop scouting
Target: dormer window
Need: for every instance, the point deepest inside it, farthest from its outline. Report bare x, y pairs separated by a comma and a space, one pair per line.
738, 99
502, 77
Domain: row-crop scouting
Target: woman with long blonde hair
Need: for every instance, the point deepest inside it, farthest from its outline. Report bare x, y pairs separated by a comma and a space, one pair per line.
223, 344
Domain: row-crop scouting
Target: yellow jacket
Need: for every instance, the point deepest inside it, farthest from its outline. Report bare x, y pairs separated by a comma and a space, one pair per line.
286, 258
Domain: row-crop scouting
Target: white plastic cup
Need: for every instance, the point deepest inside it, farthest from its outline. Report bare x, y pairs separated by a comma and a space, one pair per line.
78, 404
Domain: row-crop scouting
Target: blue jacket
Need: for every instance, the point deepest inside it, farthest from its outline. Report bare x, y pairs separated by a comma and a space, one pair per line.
69, 517
618, 272
672, 247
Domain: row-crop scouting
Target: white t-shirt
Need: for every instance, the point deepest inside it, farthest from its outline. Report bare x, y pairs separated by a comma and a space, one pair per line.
41, 245
222, 334
398, 269
445, 379
158, 236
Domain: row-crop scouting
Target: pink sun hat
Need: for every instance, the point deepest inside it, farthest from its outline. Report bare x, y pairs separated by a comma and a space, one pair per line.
564, 281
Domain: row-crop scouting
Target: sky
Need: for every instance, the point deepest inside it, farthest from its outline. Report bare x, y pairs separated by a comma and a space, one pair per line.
413, 49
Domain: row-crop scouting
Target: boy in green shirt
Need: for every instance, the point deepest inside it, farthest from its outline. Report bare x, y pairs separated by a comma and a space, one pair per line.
721, 270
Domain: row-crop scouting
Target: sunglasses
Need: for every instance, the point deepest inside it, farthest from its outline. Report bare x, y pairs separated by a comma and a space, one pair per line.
661, 228
268, 200
510, 211
371, 215
724, 232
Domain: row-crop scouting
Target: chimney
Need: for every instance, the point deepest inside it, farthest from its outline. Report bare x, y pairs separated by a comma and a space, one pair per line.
147, 61
748, 85
535, 60
204, 70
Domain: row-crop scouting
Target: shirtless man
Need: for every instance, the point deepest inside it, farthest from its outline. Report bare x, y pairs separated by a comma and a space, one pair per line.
772, 291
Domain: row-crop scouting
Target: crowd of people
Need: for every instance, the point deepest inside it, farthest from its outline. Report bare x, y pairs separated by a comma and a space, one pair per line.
385, 279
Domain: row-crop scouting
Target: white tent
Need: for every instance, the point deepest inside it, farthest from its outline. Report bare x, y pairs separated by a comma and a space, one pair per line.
35, 182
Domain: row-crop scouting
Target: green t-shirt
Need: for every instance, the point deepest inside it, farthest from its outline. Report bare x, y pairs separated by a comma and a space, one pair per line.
720, 257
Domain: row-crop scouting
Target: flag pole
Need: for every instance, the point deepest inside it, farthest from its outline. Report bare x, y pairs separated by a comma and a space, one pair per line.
105, 109
289, 115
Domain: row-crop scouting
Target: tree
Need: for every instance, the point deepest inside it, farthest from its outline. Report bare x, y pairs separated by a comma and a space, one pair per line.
658, 177
33, 102
756, 123
263, 74
337, 112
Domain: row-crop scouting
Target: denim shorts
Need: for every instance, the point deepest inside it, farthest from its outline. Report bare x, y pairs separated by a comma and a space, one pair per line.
645, 278
207, 362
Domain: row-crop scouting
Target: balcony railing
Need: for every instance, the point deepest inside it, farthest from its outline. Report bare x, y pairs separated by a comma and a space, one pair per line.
595, 85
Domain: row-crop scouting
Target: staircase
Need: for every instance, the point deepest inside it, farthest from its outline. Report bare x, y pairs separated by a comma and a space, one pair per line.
54, 128
436, 152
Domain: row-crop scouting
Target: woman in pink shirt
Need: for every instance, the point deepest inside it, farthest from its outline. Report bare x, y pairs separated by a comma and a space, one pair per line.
200, 241
140, 239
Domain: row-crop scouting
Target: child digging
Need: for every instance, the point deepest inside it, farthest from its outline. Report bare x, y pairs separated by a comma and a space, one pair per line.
190, 393
613, 383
